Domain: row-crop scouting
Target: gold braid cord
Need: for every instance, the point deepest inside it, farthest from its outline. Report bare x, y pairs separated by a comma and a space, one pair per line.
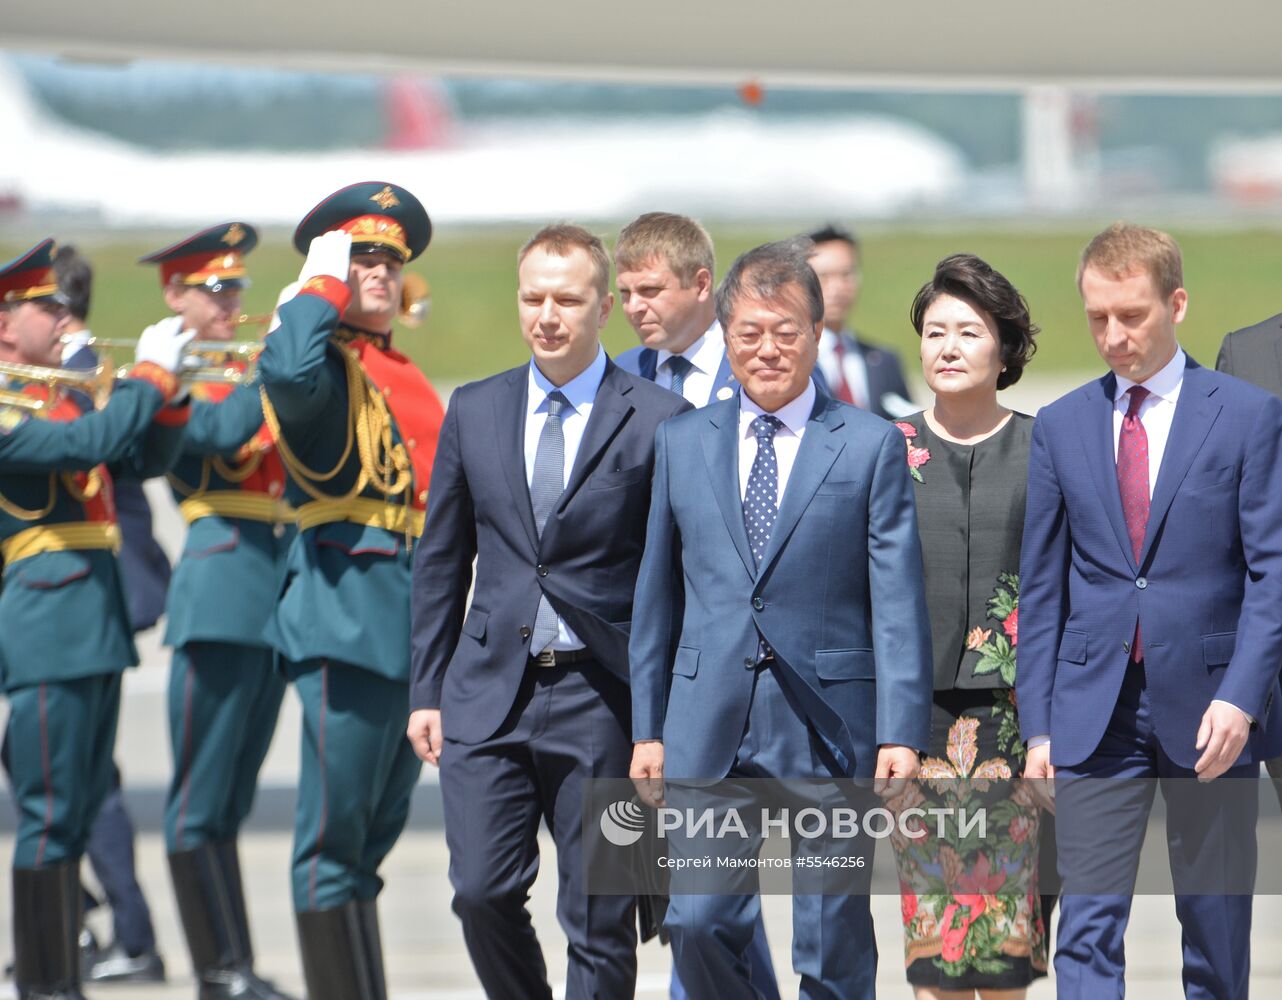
93, 486
385, 465
22, 513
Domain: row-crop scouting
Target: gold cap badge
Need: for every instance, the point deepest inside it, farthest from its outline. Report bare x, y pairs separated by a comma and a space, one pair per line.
385, 199
235, 234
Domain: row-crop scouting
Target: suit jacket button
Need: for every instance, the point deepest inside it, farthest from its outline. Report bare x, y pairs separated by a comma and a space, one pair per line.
526, 632
749, 662
1126, 647
758, 604
542, 570
1142, 582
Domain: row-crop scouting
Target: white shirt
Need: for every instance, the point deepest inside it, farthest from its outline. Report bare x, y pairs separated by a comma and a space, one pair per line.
850, 366
1156, 412
787, 439
74, 342
705, 354
580, 392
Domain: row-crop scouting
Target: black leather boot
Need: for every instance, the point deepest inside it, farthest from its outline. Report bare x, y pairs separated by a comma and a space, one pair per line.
342, 953
46, 932
211, 902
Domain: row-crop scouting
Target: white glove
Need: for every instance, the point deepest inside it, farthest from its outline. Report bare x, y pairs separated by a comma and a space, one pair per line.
287, 294
328, 254
164, 343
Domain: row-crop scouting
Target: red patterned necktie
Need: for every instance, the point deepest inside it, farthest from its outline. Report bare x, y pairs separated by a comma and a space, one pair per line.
1132, 482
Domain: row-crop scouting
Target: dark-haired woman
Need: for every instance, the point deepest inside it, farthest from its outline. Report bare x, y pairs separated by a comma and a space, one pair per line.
971, 911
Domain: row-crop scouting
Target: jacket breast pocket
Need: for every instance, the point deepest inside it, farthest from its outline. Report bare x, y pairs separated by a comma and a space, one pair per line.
475, 623
686, 662
840, 487
1208, 479
1072, 646
1217, 649
845, 664
601, 480
51, 570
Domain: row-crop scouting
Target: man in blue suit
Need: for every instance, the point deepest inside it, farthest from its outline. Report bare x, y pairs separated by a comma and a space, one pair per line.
1150, 637
780, 626
664, 265
664, 269
542, 476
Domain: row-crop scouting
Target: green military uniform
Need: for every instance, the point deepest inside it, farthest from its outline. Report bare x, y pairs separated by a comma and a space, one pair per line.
224, 690
64, 628
357, 427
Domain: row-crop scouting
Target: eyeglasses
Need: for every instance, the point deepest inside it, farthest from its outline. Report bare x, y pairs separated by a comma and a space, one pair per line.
752, 339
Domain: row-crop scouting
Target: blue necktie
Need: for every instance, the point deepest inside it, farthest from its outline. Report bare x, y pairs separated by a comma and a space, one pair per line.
546, 486
679, 368
760, 502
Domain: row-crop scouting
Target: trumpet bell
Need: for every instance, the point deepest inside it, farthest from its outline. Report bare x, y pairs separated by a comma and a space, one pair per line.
416, 300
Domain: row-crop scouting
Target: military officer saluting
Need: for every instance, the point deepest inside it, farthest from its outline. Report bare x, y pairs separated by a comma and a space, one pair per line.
224, 692
356, 424
57, 542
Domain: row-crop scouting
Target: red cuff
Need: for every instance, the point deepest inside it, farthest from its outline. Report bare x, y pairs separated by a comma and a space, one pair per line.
152, 373
329, 288
172, 416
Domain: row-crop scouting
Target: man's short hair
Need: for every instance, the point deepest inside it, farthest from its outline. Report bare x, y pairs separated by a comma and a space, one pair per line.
561, 239
1124, 247
677, 239
761, 273
75, 280
831, 232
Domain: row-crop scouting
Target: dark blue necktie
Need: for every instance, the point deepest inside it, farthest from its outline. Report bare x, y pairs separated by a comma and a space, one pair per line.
546, 486
760, 502
679, 367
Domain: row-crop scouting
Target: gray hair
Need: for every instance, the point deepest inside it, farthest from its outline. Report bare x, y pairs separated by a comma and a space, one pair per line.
764, 271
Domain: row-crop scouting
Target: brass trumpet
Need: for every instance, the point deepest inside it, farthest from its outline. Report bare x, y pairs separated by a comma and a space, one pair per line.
416, 300
204, 360
93, 382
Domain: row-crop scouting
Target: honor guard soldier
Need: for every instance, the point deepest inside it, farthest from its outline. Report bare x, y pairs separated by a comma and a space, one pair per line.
57, 541
224, 691
356, 424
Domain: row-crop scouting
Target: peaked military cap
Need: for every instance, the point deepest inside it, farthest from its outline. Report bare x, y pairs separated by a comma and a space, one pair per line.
213, 259
29, 277
378, 215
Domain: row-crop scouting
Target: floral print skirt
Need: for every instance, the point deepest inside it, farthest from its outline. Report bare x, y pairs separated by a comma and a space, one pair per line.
971, 910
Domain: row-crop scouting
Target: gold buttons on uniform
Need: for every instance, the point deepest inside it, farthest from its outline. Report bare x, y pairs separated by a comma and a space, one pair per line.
422, 496
412, 443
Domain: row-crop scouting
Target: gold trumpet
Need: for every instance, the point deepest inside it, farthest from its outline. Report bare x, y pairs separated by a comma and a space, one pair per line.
216, 360
416, 300
204, 360
93, 382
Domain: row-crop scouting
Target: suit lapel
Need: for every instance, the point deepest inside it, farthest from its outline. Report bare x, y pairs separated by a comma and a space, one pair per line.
610, 410
1195, 413
720, 441
725, 377
509, 423
1097, 440
818, 450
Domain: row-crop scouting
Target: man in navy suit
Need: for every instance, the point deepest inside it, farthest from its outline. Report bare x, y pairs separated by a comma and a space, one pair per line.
664, 265
780, 627
1150, 637
542, 475
854, 370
